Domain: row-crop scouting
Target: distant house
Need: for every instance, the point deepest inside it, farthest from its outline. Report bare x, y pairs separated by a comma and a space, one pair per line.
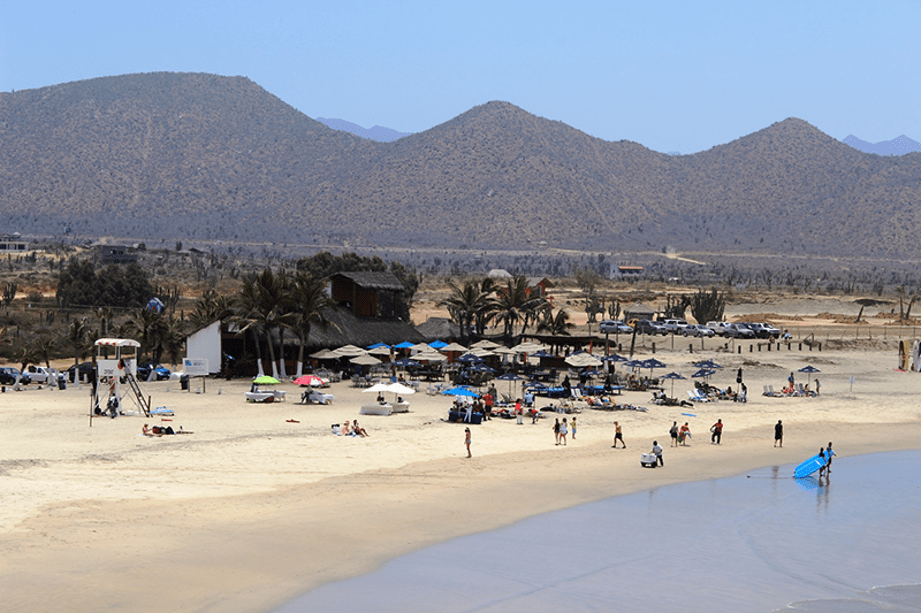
539, 286
12, 242
115, 254
499, 273
638, 310
627, 271
366, 294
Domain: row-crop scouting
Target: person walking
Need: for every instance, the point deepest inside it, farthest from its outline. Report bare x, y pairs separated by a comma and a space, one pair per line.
618, 436
717, 430
467, 437
818, 387
828, 455
673, 432
556, 430
573, 426
564, 430
657, 449
684, 433
778, 434
825, 467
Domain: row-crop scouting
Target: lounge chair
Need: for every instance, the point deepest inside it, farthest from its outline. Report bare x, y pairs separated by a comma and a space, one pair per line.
696, 396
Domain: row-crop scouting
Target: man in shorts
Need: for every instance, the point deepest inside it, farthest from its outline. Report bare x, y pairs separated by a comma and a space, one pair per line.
778, 434
673, 432
618, 436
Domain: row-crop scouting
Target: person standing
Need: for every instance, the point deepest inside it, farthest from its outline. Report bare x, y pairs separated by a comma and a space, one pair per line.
824, 466
556, 431
573, 426
519, 414
673, 432
818, 387
684, 433
717, 430
778, 434
467, 437
790, 381
657, 449
618, 436
564, 430
828, 454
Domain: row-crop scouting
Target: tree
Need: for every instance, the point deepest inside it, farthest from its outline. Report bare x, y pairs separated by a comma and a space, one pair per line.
708, 306
264, 300
76, 335
309, 300
515, 304
466, 303
558, 324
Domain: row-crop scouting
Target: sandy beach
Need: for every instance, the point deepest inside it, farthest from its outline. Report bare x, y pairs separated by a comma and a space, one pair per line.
252, 510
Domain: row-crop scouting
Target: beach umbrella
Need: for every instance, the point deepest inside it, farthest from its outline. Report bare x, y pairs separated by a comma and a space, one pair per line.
365, 360
406, 363
635, 364
480, 367
653, 363
503, 350
703, 373
542, 354
378, 346
325, 354
403, 345
266, 380
420, 347
481, 353
809, 369
708, 364
509, 376
528, 347
380, 350
484, 344
460, 391
311, 380
438, 344
455, 347
673, 376
429, 356
614, 358
581, 360
469, 358
349, 350
377, 387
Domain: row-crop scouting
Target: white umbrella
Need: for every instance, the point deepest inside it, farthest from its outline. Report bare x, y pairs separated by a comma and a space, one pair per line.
527, 347
501, 349
380, 351
420, 347
365, 360
484, 344
456, 347
325, 354
349, 350
399, 388
581, 360
429, 356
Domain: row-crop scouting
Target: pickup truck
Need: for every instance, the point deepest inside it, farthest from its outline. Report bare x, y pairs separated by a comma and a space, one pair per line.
645, 326
40, 374
730, 330
764, 330
718, 326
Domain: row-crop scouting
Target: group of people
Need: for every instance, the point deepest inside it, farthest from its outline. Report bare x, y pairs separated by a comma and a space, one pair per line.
680, 435
349, 429
561, 430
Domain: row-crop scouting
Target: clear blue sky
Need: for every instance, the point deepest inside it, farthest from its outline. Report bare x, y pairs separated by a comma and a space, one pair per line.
674, 76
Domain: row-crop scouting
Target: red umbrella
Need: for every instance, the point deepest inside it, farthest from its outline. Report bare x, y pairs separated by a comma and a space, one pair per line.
311, 380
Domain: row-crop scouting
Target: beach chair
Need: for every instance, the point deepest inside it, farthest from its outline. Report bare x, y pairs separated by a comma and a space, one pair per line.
766, 392
696, 396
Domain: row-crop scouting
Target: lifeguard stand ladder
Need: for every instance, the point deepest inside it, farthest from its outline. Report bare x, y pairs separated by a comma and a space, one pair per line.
110, 370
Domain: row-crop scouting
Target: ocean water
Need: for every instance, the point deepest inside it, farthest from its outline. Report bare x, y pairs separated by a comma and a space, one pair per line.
760, 542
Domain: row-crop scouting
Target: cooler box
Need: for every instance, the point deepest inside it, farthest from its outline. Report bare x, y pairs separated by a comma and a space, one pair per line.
648, 459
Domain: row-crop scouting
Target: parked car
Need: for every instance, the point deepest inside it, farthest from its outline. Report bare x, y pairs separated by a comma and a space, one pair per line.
764, 330
87, 371
739, 331
675, 326
721, 328
41, 374
645, 326
143, 372
698, 331
611, 326
10, 375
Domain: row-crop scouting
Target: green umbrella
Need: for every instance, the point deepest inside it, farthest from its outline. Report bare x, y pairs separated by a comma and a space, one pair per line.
266, 380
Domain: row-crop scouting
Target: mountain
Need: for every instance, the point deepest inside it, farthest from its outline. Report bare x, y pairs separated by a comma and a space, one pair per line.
899, 145
192, 156
378, 133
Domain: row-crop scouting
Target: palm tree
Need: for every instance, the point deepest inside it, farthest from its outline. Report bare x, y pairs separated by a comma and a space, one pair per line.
558, 324
149, 327
516, 304
466, 304
264, 302
209, 308
309, 300
76, 334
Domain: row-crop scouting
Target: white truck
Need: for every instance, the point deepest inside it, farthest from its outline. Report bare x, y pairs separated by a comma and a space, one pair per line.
41, 374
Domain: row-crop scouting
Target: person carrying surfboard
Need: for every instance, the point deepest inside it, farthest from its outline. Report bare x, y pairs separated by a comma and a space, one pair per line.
828, 455
825, 465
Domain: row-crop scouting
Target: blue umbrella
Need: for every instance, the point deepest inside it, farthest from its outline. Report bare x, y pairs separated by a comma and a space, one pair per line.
673, 376
635, 364
614, 358
703, 373
404, 345
406, 363
469, 357
809, 369
438, 344
460, 391
375, 346
653, 363
708, 364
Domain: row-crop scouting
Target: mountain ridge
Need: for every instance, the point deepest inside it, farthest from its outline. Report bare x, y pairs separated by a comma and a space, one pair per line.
190, 155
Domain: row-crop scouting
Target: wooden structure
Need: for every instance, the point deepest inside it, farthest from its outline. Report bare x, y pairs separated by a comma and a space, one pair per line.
366, 294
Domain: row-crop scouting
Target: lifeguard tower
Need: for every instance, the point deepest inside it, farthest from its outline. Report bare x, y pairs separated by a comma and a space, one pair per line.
116, 366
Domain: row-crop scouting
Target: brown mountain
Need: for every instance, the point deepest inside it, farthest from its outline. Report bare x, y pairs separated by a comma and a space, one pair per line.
193, 156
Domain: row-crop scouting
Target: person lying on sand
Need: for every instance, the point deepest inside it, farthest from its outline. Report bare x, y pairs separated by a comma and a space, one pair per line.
160, 430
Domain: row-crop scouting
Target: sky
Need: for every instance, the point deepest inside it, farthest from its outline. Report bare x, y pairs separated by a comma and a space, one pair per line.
673, 76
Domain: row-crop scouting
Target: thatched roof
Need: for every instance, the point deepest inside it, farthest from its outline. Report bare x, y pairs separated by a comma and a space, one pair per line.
346, 329
372, 280
438, 328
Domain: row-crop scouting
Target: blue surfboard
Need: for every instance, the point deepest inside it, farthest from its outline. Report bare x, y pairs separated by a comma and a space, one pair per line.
811, 465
